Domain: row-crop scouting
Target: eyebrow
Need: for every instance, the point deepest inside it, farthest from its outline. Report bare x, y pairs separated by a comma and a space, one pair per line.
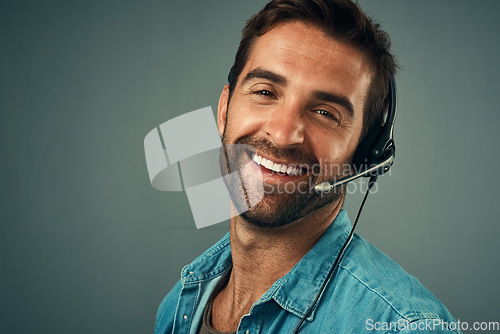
336, 99
260, 73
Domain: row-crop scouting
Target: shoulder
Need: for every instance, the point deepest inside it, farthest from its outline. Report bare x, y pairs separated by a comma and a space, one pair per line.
207, 269
381, 292
166, 310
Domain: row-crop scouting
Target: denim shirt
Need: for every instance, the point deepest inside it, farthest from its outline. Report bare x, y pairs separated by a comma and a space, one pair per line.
369, 293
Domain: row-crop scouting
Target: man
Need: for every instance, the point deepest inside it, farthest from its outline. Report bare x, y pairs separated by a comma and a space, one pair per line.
310, 78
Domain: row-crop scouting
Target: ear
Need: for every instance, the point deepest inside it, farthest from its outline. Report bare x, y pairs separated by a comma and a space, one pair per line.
222, 109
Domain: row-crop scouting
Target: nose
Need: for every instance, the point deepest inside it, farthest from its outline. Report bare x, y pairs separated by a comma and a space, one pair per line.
285, 126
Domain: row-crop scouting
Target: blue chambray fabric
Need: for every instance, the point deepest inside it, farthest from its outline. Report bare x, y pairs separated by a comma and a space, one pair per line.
369, 293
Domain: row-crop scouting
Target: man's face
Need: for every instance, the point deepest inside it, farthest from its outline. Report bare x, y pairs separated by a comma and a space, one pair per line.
299, 101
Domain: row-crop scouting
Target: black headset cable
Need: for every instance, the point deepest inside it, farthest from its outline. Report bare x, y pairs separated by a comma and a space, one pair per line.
372, 181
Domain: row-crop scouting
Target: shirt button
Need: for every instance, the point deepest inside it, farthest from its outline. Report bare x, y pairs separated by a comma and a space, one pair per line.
185, 317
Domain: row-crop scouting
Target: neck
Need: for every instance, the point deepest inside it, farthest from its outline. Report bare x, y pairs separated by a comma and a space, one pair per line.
263, 255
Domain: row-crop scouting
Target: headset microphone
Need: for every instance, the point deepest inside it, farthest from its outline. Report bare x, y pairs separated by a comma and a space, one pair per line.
327, 186
376, 151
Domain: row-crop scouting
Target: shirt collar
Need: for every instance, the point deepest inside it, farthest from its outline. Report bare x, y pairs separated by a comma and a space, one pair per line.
212, 263
296, 291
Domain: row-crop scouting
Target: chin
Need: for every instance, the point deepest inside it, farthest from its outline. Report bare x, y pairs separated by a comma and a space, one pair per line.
277, 212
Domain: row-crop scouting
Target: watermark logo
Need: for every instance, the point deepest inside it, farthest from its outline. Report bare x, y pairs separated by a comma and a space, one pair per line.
430, 326
184, 154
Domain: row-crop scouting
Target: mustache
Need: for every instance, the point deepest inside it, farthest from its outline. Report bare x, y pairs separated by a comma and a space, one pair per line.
265, 146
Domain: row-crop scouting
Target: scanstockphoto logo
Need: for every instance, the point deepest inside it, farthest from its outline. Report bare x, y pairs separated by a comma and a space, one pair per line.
186, 154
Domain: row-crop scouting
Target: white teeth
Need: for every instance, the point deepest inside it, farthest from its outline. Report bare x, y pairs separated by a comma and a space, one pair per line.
278, 168
269, 164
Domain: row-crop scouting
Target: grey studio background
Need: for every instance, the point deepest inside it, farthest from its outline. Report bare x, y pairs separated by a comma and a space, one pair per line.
88, 246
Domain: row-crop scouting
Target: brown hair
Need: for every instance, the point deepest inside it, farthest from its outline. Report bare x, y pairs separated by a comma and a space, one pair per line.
344, 21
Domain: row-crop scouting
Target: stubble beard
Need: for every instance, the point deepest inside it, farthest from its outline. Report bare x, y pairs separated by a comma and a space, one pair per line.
280, 206
275, 211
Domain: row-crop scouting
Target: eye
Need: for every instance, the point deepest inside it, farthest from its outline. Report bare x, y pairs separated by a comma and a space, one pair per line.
264, 92
327, 114
323, 112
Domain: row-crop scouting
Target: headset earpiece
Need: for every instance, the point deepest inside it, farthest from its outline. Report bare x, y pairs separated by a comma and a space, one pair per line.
377, 148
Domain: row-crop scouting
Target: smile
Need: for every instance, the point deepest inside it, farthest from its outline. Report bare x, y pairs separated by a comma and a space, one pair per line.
290, 169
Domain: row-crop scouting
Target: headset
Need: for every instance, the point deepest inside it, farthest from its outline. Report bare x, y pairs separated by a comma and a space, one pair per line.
376, 153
